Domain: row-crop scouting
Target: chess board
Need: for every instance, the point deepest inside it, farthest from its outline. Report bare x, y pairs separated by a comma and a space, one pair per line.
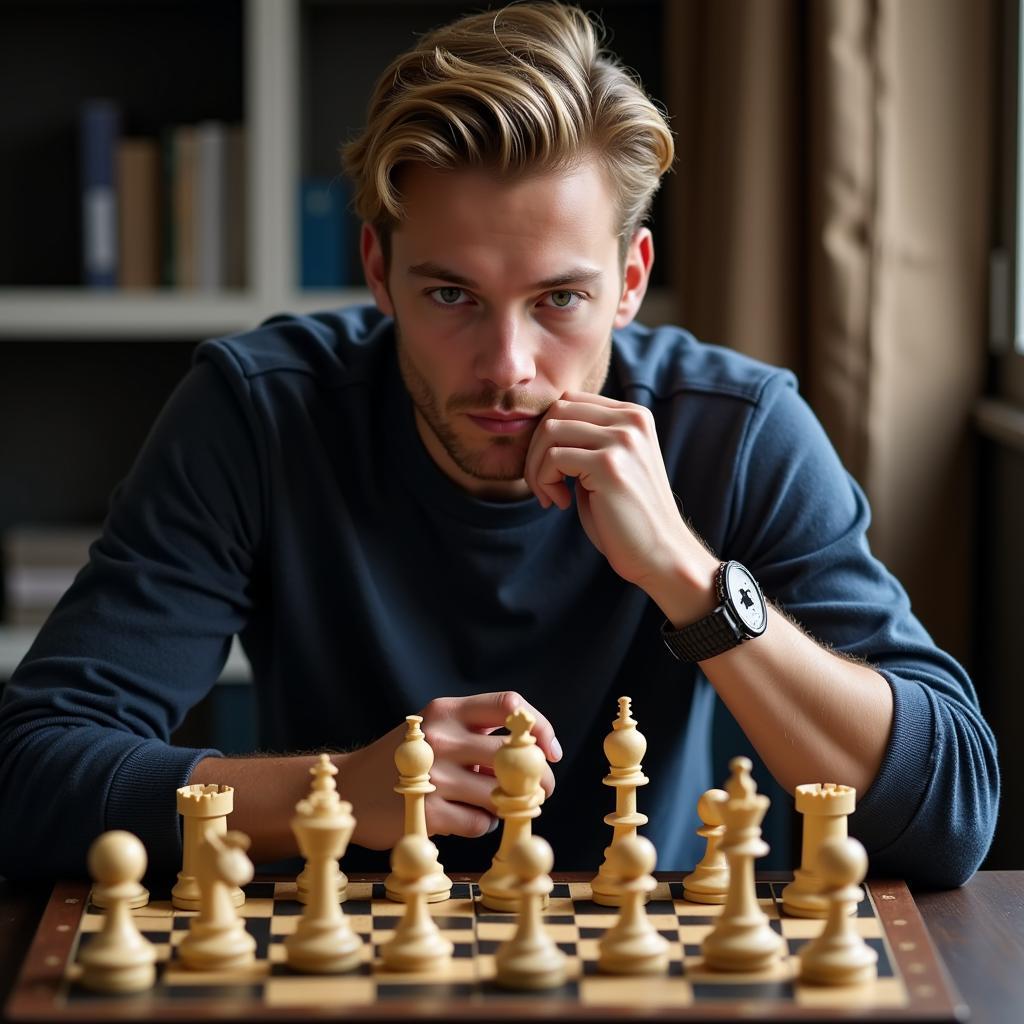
911, 985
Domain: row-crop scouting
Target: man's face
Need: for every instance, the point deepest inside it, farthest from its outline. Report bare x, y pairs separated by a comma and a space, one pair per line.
504, 295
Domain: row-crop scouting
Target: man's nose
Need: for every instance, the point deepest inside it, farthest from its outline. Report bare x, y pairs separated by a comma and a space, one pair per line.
505, 357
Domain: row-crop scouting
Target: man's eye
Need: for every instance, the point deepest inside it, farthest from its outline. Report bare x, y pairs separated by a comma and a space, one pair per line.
447, 296
564, 299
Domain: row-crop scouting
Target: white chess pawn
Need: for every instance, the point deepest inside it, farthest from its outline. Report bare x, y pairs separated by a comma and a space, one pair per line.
530, 959
417, 944
632, 945
709, 880
839, 955
118, 958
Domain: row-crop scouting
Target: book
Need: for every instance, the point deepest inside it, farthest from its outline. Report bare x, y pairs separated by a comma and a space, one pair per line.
183, 171
210, 208
138, 213
99, 129
322, 219
236, 209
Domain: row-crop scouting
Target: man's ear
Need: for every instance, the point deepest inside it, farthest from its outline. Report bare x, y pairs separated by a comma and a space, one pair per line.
374, 269
635, 275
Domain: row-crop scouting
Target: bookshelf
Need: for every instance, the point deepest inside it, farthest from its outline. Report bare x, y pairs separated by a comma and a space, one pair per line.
303, 89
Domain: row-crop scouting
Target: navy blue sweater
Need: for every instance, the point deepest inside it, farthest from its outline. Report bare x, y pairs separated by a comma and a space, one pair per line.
284, 495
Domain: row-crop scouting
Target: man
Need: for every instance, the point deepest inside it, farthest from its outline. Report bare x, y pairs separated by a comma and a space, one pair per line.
465, 500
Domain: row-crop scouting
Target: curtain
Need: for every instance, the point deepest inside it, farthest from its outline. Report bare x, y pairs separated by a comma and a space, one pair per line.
831, 212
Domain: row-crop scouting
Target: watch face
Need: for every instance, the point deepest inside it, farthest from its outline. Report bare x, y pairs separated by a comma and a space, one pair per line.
745, 597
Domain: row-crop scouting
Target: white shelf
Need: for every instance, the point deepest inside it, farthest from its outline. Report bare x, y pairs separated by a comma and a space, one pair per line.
16, 640
68, 314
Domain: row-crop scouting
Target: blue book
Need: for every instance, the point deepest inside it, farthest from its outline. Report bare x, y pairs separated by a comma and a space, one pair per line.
99, 130
323, 253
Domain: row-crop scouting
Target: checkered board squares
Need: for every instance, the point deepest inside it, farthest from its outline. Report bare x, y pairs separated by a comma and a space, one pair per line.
465, 987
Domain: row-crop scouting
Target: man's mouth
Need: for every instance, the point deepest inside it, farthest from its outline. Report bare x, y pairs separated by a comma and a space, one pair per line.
503, 422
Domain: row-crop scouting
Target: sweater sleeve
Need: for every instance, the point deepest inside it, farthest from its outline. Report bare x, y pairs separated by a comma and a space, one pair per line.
138, 639
799, 522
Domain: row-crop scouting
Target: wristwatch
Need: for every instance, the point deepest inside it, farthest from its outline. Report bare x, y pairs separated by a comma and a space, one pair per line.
741, 615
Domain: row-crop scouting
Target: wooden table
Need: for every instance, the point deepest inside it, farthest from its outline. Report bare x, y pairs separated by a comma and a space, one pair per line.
978, 930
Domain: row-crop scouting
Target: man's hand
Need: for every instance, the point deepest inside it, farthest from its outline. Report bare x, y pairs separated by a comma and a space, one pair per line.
623, 493
459, 731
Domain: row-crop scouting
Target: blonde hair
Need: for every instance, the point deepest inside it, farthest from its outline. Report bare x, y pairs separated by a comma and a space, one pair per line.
525, 89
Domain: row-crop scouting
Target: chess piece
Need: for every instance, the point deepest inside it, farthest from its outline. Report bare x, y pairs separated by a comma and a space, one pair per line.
742, 940
709, 880
530, 959
205, 810
413, 759
417, 944
839, 955
134, 895
323, 941
825, 808
518, 766
217, 938
632, 945
118, 959
624, 747
323, 791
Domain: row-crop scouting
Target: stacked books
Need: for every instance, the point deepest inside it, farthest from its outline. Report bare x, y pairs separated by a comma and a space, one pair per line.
167, 211
40, 563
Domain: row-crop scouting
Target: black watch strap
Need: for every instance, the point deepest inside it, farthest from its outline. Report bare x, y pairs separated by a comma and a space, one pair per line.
713, 635
718, 632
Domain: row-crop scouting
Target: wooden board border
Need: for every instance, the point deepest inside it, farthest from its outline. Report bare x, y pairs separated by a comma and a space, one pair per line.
933, 995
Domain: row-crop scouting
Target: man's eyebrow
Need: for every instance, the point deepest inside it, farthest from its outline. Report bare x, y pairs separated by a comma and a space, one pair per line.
575, 275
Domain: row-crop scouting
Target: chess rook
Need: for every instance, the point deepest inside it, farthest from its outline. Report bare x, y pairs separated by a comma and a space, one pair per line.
217, 938
709, 880
414, 759
624, 747
632, 945
119, 958
742, 940
825, 808
323, 793
530, 959
205, 810
839, 955
323, 941
518, 767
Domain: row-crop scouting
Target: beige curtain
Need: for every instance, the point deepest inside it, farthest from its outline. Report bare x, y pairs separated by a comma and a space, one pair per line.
831, 213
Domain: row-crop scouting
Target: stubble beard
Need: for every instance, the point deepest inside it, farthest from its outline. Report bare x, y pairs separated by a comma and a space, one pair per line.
497, 458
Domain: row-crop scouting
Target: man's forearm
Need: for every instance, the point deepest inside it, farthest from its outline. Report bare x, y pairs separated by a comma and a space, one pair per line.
266, 792
812, 715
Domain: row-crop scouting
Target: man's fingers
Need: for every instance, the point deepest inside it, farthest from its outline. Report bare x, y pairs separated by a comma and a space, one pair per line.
447, 818
587, 398
488, 711
539, 473
464, 786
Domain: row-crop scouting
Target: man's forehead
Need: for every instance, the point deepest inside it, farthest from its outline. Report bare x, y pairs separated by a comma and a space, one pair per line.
578, 199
